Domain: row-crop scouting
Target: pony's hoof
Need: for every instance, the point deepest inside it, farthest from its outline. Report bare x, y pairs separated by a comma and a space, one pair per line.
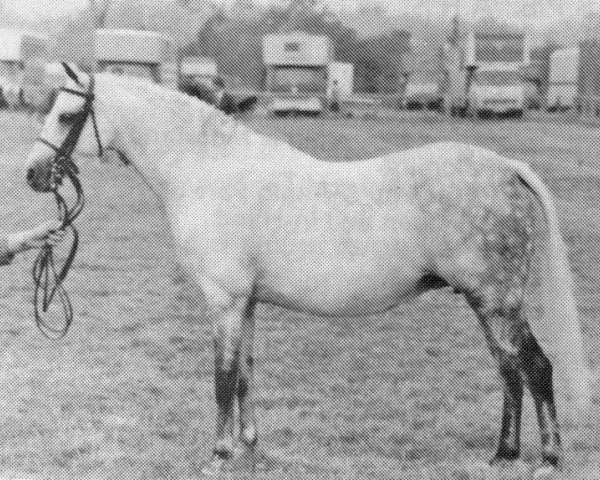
475, 471
545, 472
509, 470
251, 459
242, 460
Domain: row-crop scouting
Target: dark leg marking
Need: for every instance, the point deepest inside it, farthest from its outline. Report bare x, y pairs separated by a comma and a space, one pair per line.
225, 387
245, 388
538, 373
227, 329
509, 446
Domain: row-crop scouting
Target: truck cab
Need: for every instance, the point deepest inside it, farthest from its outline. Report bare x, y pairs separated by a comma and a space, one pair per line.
483, 73
497, 91
422, 91
296, 72
147, 55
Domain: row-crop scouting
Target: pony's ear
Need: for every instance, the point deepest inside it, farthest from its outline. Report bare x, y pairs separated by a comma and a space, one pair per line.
71, 73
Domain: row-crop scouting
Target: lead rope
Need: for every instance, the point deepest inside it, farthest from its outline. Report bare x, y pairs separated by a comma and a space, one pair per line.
48, 282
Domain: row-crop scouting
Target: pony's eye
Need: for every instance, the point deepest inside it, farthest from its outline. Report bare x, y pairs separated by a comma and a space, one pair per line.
68, 117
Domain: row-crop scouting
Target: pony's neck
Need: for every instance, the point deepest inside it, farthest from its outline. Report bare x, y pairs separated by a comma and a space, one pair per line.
173, 140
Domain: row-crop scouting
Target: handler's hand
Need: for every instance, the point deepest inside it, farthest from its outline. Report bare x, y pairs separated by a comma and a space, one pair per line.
46, 234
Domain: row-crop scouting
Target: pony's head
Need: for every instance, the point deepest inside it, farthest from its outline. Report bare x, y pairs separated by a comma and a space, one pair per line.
74, 125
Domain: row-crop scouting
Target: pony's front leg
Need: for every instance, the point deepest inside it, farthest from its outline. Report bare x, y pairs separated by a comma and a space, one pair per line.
228, 320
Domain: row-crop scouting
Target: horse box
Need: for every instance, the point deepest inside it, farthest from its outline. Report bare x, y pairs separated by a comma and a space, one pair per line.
145, 54
18, 47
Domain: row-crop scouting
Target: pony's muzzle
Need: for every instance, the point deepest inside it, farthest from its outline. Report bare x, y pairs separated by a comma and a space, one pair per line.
39, 176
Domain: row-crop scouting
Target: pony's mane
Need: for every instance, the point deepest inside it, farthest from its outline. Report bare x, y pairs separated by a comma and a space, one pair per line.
192, 118
157, 92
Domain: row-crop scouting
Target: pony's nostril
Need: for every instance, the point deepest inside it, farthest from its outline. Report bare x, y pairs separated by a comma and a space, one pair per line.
30, 175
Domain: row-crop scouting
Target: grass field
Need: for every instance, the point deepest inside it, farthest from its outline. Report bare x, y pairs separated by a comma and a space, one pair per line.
412, 394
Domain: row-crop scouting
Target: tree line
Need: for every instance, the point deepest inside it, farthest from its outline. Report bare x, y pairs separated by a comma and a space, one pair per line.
233, 36
234, 39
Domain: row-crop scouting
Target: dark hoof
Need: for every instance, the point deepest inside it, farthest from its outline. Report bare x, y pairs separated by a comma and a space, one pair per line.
505, 456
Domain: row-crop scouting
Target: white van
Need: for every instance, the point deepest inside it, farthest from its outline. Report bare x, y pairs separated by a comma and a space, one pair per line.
144, 54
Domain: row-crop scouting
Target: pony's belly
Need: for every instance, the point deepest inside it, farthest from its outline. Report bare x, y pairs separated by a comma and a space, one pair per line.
338, 291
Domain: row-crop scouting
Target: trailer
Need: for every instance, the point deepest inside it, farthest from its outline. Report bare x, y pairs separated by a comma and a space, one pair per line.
588, 78
144, 54
483, 73
17, 47
562, 80
296, 72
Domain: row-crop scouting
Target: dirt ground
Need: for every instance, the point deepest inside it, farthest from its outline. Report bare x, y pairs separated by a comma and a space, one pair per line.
411, 394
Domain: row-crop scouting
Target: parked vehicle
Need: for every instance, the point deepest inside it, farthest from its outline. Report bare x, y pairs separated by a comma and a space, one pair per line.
483, 74
497, 92
198, 70
422, 92
144, 54
563, 76
17, 47
296, 73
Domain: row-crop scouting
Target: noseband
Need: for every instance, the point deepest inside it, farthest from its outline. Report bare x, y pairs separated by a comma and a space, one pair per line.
47, 280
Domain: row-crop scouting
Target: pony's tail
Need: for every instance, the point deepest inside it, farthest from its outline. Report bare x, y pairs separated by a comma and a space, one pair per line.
559, 324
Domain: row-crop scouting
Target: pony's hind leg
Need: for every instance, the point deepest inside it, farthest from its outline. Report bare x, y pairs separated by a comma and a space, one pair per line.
502, 329
509, 447
519, 357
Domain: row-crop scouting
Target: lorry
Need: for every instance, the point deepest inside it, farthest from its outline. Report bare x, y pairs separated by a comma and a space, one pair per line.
144, 54
17, 47
483, 74
562, 79
296, 72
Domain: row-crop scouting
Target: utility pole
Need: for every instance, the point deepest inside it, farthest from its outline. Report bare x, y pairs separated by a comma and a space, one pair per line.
99, 11
94, 12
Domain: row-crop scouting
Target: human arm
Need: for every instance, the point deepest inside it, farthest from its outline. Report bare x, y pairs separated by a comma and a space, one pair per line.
46, 234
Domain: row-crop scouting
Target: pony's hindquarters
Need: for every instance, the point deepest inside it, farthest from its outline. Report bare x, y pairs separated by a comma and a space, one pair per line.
559, 324
491, 261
